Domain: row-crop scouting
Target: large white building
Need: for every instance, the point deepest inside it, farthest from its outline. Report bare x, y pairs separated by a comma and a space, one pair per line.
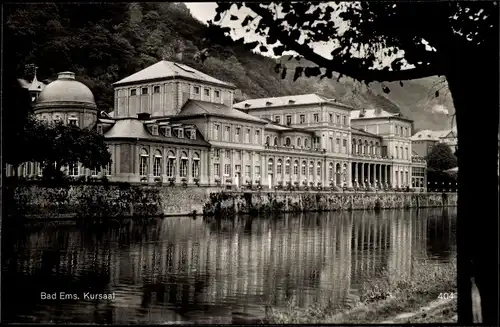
172, 123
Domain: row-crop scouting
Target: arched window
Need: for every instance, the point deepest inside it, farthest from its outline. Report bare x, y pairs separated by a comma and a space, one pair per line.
171, 164
157, 164
288, 142
268, 140
318, 168
296, 167
143, 166
72, 169
407, 154
279, 167
353, 146
311, 168
371, 148
195, 170
344, 172
275, 141
270, 164
299, 141
184, 164
287, 167
359, 147
330, 171
402, 154
397, 152
306, 142
377, 149
365, 146
304, 168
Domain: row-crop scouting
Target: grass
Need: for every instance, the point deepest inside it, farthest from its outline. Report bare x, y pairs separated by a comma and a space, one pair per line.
384, 298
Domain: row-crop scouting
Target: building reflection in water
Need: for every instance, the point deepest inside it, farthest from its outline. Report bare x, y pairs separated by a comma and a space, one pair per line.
179, 269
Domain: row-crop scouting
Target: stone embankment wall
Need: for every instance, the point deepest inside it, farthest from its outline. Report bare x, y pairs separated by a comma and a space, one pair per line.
125, 200
230, 203
111, 200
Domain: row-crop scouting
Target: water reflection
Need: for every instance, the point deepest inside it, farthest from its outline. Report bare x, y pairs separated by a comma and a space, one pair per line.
179, 269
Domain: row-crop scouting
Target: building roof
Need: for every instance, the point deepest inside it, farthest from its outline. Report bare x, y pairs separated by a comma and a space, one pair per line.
197, 107
357, 131
167, 69
65, 91
302, 99
133, 128
429, 135
374, 113
35, 85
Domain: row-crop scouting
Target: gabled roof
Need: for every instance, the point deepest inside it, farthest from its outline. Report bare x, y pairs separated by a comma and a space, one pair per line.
36, 85
197, 107
288, 100
373, 113
357, 131
166, 70
429, 135
134, 129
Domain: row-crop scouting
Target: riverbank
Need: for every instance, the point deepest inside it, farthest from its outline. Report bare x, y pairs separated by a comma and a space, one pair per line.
231, 203
41, 201
429, 296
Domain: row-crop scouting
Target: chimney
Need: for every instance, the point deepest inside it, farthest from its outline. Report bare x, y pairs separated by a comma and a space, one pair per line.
143, 116
362, 112
378, 111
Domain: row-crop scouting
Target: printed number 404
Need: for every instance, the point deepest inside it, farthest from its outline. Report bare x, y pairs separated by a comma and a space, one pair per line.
446, 296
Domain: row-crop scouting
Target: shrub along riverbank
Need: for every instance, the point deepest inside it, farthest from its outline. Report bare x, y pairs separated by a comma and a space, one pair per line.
387, 299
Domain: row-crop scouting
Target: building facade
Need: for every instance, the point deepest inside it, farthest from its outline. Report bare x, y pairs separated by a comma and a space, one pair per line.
174, 123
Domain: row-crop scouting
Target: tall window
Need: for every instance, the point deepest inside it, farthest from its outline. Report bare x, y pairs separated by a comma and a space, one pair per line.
156, 89
330, 118
330, 171
257, 171
157, 164
296, 167
143, 166
228, 154
316, 118
344, 145
207, 92
302, 119
237, 134
353, 146
306, 142
247, 171
227, 131
217, 94
268, 140
217, 153
303, 169
238, 154
299, 141
217, 169
344, 118
227, 169
247, 135
216, 131
338, 118
107, 170
270, 165
257, 136
72, 169
401, 151
171, 164
288, 120
279, 167
195, 171
318, 168
407, 154
144, 90
311, 168
337, 145
397, 152
184, 164
196, 90
277, 119
288, 142
287, 167
275, 141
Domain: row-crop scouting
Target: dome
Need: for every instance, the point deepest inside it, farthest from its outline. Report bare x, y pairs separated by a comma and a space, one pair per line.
66, 92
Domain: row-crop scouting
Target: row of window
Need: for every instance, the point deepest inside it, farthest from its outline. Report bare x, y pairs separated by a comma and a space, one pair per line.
399, 154
236, 137
227, 154
366, 148
288, 142
170, 168
74, 169
304, 170
237, 168
401, 131
156, 89
289, 119
178, 132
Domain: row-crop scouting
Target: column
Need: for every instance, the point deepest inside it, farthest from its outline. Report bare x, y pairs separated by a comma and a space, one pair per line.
379, 174
349, 174
355, 173
363, 173
369, 178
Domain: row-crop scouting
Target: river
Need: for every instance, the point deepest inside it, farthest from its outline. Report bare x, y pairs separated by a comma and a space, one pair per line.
183, 269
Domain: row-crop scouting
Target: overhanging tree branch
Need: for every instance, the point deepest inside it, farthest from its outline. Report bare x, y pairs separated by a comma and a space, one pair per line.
339, 65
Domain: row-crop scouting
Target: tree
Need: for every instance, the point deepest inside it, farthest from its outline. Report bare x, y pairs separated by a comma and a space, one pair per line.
463, 42
441, 158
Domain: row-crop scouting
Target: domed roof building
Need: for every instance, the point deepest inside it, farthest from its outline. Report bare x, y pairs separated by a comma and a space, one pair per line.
67, 100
